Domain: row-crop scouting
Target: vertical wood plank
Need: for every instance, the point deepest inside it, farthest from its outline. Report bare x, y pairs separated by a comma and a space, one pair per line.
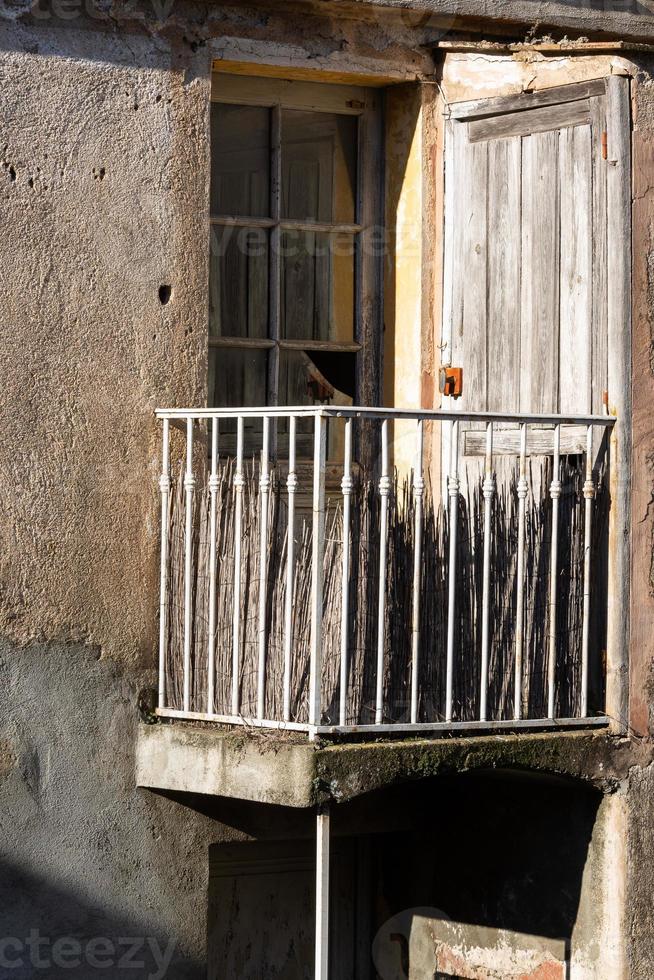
539, 332
473, 270
600, 257
576, 270
504, 246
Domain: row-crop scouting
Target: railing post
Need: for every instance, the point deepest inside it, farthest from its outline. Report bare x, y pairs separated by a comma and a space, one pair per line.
384, 493
523, 493
264, 496
488, 490
418, 495
164, 487
214, 484
322, 892
589, 497
346, 488
556, 490
317, 557
189, 487
291, 485
239, 485
453, 487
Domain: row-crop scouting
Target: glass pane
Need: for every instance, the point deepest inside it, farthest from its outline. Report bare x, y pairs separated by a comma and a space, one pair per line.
319, 166
240, 160
316, 378
238, 284
239, 377
317, 286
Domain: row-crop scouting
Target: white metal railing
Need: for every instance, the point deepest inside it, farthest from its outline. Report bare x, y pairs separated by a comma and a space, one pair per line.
285, 475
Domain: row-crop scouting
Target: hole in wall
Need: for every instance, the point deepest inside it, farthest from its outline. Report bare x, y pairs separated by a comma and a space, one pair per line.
165, 292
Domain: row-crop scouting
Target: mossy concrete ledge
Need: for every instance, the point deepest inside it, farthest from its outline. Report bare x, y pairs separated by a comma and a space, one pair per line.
291, 771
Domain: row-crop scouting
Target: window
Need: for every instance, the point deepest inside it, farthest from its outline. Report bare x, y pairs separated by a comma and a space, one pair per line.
290, 210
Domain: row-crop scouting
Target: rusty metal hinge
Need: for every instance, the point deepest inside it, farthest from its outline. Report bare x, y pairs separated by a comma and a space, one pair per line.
355, 104
605, 145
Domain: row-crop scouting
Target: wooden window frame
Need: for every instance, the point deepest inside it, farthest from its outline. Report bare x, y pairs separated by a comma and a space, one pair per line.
278, 94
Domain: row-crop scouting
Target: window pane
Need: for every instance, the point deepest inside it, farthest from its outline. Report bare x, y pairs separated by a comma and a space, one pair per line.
237, 377
240, 160
316, 378
319, 166
317, 286
238, 287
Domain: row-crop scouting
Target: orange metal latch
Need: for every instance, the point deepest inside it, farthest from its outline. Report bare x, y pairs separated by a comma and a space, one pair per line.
451, 381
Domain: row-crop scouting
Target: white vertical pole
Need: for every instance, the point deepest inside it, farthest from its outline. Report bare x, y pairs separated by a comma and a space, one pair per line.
239, 484
213, 488
384, 492
322, 894
346, 487
453, 486
264, 494
291, 485
488, 490
418, 494
589, 496
164, 487
189, 487
523, 492
555, 494
317, 556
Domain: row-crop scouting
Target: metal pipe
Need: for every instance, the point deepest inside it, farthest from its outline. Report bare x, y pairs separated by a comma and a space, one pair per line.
291, 484
555, 493
589, 497
189, 487
488, 490
164, 487
322, 893
523, 492
453, 487
347, 486
264, 494
384, 493
418, 494
317, 556
239, 485
214, 485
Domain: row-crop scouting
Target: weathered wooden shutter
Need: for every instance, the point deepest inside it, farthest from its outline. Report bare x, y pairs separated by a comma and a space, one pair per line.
525, 302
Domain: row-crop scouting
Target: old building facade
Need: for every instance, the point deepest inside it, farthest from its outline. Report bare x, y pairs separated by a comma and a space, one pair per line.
335, 205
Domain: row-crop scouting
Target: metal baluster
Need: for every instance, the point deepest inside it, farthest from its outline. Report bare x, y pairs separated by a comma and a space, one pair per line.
317, 558
189, 487
322, 893
214, 484
264, 494
346, 487
384, 493
488, 490
164, 487
291, 484
523, 493
589, 496
418, 495
453, 486
239, 485
555, 493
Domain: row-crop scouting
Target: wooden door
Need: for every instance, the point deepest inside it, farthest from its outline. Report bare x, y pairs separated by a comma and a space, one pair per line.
525, 303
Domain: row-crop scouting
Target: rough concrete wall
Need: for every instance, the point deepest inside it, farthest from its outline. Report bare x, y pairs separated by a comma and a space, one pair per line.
640, 894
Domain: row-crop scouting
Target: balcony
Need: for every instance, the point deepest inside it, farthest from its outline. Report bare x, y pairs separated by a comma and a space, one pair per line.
342, 572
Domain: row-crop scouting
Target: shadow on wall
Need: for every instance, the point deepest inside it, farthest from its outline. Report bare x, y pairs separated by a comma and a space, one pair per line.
53, 932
